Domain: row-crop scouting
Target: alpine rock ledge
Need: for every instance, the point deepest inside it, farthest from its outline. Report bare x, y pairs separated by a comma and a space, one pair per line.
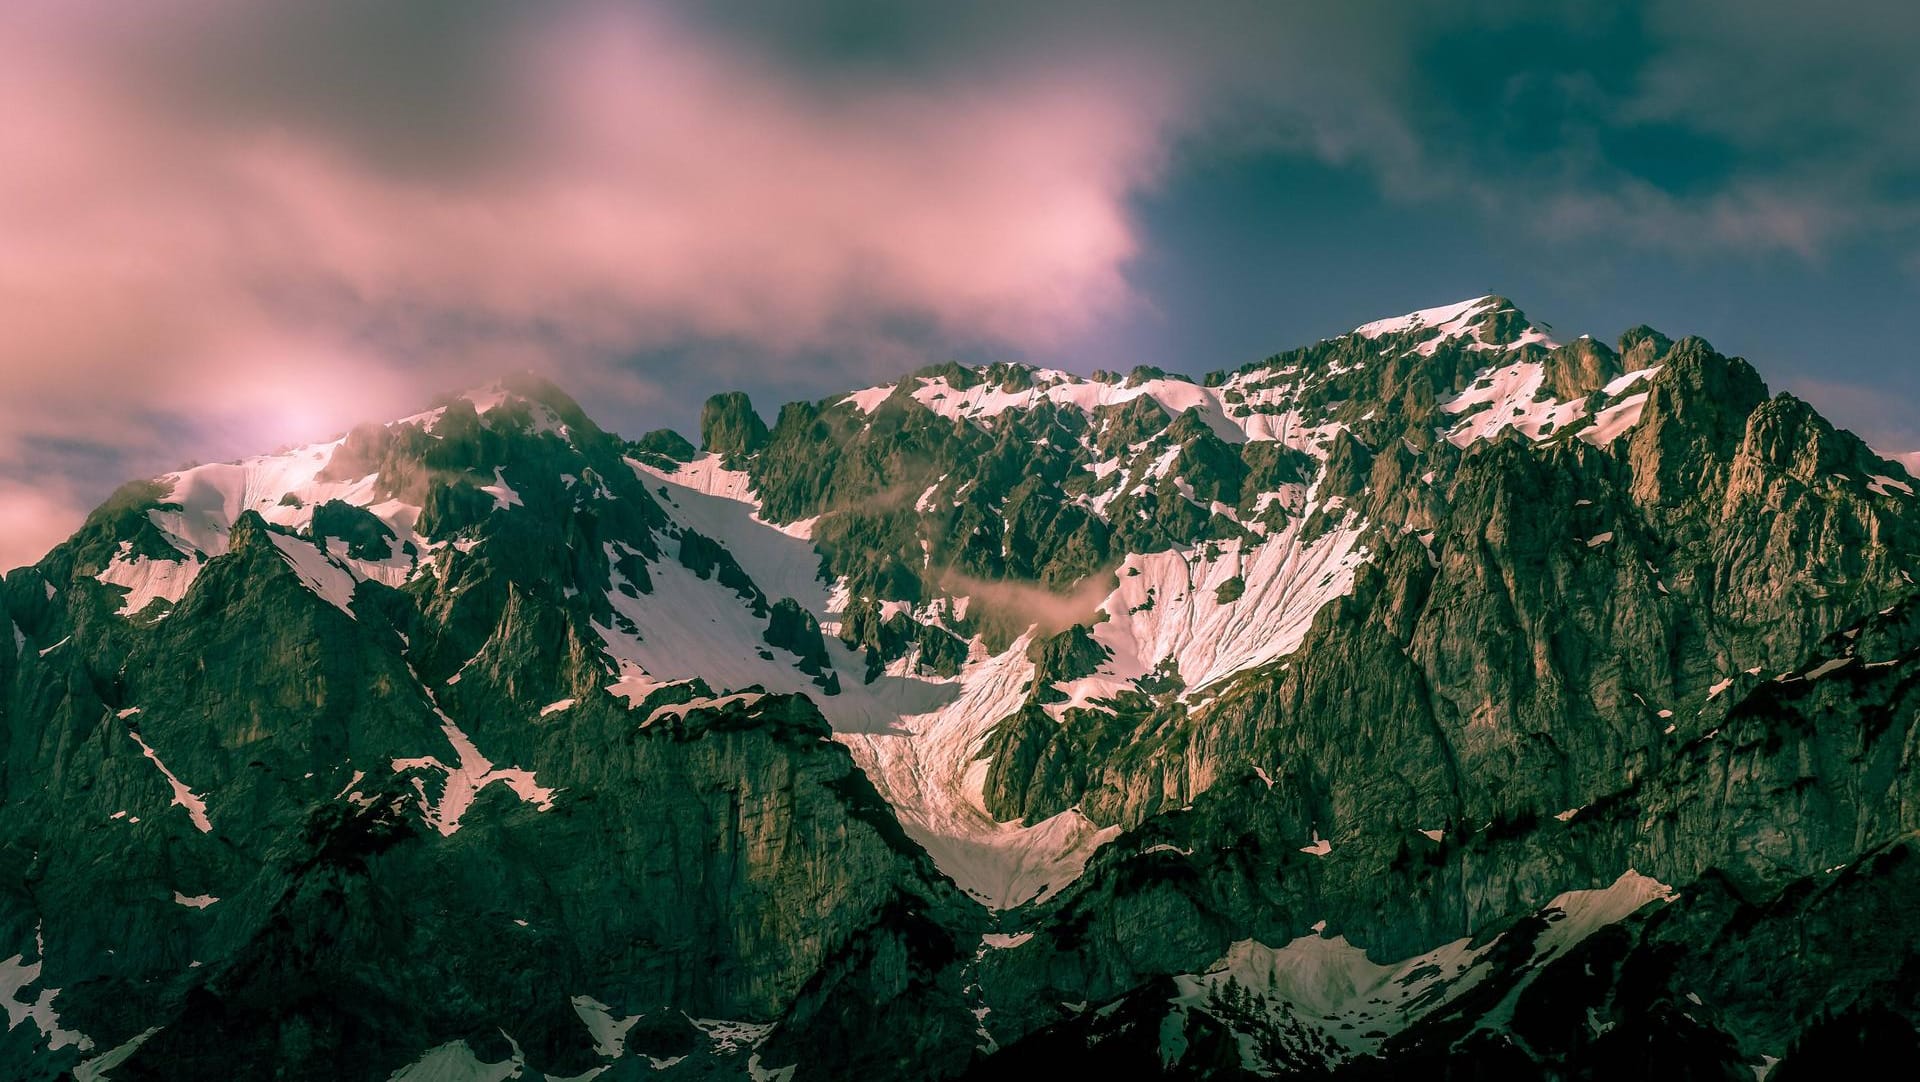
1436, 700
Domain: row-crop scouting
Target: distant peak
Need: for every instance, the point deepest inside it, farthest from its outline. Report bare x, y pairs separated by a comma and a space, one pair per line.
524, 398
1425, 318
517, 387
1489, 323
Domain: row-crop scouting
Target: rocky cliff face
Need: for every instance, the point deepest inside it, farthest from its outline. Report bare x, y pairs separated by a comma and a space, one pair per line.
1434, 698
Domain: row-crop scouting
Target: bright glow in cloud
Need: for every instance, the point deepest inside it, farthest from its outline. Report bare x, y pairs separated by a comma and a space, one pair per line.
650, 186
34, 518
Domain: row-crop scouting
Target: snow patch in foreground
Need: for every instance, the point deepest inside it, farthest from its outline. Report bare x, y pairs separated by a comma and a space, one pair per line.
1328, 987
456, 1062
16, 974
95, 1069
609, 1033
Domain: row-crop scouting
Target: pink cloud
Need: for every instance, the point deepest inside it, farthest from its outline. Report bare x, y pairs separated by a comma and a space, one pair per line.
34, 518
649, 185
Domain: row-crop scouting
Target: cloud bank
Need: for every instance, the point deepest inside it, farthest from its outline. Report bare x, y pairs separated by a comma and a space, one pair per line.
172, 252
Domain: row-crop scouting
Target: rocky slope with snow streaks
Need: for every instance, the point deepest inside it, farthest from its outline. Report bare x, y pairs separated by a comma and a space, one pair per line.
1327, 715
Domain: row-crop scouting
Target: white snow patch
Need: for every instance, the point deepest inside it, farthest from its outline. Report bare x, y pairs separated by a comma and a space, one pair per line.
633, 684
283, 489
16, 974
729, 1036
1610, 423
999, 941
95, 1069
718, 702
556, 707
1285, 584
317, 571
758, 1073
918, 736
927, 767
182, 796
503, 494
609, 1033
1508, 398
1448, 321
455, 1061
147, 579
1829, 667
1619, 386
465, 778
869, 399
1587, 911
1887, 486
1356, 1004
1329, 984
987, 400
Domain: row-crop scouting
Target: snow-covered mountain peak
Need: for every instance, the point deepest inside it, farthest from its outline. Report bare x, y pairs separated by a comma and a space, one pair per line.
360, 506
1488, 323
519, 400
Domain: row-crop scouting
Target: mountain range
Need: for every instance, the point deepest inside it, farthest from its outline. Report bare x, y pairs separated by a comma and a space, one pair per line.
1436, 700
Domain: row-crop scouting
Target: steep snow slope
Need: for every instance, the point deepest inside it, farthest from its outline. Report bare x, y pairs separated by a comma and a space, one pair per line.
917, 737
1168, 607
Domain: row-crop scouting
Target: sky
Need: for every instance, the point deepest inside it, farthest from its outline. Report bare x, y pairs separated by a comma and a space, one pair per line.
229, 226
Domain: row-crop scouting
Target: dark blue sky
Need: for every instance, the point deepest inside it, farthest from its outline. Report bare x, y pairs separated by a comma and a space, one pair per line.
1748, 172
232, 227
1260, 251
